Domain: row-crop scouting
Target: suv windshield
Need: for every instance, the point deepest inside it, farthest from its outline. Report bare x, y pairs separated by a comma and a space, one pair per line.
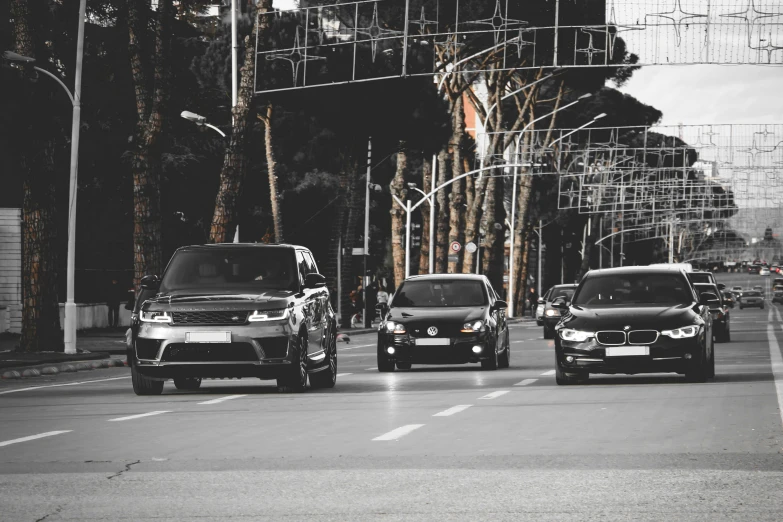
440, 293
231, 270
630, 289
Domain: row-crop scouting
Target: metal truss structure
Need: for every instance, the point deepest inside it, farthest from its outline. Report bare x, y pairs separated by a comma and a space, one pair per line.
375, 39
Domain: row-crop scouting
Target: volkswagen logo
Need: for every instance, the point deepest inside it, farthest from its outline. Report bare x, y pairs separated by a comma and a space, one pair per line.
432, 331
626, 328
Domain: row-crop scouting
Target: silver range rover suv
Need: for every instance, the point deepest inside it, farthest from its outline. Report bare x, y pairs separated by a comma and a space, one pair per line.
235, 310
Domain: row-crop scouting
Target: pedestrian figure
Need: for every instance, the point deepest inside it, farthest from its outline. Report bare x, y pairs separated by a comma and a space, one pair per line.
532, 298
116, 295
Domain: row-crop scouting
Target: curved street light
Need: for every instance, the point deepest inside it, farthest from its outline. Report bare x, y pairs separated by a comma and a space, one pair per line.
201, 121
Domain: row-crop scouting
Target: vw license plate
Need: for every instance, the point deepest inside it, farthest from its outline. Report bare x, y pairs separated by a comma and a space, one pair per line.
208, 337
623, 351
438, 341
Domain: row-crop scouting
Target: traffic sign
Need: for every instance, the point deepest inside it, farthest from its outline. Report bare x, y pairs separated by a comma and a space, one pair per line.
455, 246
471, 247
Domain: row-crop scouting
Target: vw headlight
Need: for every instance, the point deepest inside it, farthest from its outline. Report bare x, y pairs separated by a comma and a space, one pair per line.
577, 336
156, 317
552, 313
395, 328
268, 315
681, 333
475, 326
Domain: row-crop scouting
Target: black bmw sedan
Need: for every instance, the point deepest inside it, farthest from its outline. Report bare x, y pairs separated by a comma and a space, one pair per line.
635, 320
444, 319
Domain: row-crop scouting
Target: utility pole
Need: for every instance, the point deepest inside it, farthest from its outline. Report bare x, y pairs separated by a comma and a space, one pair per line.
234, 54
366, 279
432, 213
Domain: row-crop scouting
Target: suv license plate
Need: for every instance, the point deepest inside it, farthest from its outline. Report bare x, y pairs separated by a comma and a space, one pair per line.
207, 337
622, 351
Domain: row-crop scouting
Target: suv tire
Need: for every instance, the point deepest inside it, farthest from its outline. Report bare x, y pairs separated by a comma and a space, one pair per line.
327, 378
295, 378
385, 364
143, 385
491, 364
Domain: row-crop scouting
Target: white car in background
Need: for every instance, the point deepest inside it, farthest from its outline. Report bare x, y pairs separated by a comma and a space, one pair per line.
764, 271
540, 308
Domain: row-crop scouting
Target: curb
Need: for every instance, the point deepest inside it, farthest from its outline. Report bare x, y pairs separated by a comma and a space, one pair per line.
53, 369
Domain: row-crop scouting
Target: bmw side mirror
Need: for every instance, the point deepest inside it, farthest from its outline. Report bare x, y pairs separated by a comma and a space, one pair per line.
499, 305
150, 282
709, 299
721, 286
314, 281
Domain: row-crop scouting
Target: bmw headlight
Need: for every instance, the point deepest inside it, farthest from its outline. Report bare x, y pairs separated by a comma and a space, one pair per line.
552, 313
577, 336
681, 333
475, 326
268, 315
396, 328
156, 317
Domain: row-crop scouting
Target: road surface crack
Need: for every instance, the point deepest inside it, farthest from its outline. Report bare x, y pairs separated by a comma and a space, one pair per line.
127, 468
55, 512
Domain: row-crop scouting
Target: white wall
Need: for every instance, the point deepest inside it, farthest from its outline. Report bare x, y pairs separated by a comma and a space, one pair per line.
11, 268
94, 315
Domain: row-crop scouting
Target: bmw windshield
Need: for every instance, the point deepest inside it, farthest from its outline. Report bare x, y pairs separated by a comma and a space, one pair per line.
440, 293
634, 289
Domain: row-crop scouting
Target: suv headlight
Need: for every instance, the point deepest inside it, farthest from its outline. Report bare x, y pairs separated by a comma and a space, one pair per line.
552, 313
397, 328
577, 336
268, 315
475, 326
155, 317
681, 333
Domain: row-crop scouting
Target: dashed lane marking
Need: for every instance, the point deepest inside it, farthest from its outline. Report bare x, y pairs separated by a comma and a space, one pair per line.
399, 432
131, 417
33, 437
494, 395
223, 399
525, 382
550, 372
452, 411
63, 384
343, 374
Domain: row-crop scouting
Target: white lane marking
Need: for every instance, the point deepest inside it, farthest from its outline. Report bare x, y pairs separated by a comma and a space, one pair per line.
222, 399
64, 384
118, 419
550, 372
520, 341
343, 374
452, 411
33, 437
526, 382
370, 369
494, 395
358, 346
399, 432
776, 361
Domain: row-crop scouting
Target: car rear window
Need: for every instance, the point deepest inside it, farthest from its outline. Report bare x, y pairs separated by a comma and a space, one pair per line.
751, 294
633, 289
567, 293
231, 270
440, 293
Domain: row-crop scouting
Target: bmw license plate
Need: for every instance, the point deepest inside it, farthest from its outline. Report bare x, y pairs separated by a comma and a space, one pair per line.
207, 337
624, 351
438, 341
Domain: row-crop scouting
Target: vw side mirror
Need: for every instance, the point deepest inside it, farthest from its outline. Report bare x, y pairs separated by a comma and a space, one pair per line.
150, 282
560, 302
314, 281
499, 305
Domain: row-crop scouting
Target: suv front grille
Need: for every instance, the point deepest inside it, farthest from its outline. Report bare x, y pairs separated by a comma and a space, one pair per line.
209, 352
217, 317
642, 337
610, 337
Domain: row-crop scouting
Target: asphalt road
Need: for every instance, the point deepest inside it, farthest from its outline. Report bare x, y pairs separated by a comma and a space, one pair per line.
453, 443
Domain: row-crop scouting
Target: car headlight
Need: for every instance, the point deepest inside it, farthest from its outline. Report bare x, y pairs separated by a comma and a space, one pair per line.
268, 315
155, 317
681, 333
577, 336
395, 328
552, 313
475, 326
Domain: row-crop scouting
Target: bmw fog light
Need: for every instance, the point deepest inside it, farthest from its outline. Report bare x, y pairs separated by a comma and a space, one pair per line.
477, 349
688, 356
390, 350
569, 359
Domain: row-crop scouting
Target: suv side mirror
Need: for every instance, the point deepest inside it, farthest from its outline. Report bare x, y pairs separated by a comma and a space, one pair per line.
499, 305
560, 302
709, 299
150, 282
314, 281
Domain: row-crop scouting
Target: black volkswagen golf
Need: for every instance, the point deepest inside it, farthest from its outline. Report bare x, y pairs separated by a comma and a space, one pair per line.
444, 319
635, 320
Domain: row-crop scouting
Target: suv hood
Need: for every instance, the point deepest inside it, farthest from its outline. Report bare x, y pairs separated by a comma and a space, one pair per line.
188, 301
637, 317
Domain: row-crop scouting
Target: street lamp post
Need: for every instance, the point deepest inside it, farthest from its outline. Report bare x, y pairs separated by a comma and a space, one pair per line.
69, 327
201, 121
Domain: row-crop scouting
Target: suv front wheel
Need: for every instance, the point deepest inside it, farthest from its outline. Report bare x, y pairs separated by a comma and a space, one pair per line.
295, 378
143, 385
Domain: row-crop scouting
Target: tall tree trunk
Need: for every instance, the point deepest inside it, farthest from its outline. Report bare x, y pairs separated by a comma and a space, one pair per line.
523, 273
442, 215
521, 232
232, 176
271, 165
424, 256
353, 211
399, 189
36, 146
151, 111
495, 239
457, 196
